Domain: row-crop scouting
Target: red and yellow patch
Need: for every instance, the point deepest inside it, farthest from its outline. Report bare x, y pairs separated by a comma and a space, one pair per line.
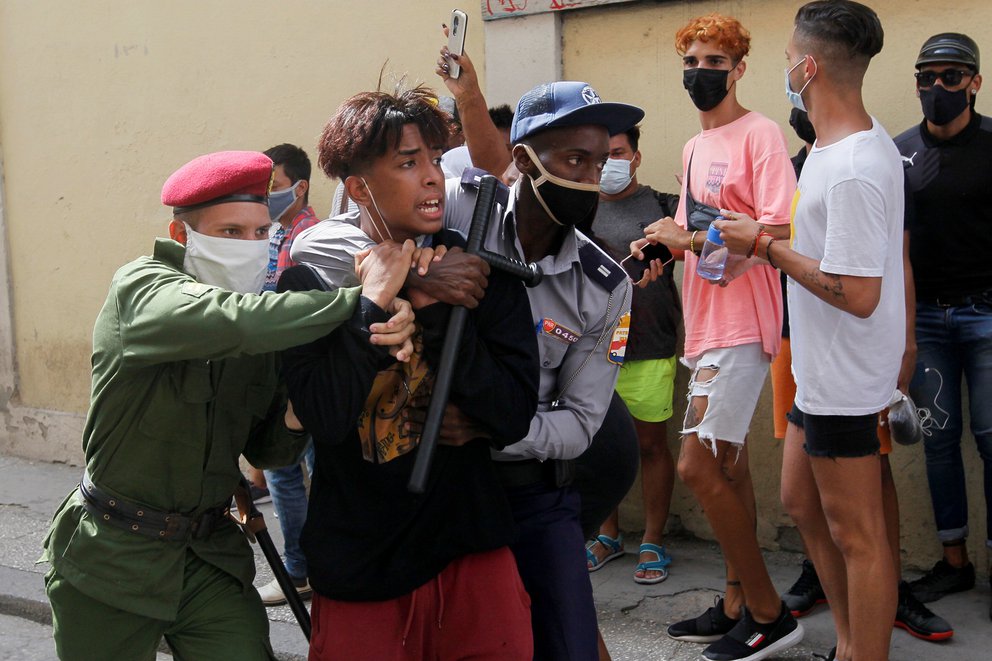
618, 343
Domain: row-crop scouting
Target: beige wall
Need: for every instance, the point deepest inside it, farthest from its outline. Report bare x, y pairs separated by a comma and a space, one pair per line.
627, 53
100, 101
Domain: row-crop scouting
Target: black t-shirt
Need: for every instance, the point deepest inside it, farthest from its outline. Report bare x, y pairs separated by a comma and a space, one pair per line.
656, 310
949, 210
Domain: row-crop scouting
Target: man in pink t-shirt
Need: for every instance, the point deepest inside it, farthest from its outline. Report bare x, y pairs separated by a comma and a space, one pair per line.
739, 162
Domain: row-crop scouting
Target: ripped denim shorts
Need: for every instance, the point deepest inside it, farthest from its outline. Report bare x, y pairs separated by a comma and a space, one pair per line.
731, 378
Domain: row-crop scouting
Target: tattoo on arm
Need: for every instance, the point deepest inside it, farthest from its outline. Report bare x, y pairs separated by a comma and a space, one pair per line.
830, 283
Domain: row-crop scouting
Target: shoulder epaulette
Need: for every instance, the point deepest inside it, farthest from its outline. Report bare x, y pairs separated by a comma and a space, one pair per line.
472, 177
598, 266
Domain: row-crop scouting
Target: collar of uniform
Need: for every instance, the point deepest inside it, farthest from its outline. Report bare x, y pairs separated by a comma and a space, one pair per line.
170, 252
962, 138
567, 255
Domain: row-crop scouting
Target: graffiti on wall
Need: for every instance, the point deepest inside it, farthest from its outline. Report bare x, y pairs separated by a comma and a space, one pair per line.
493, 9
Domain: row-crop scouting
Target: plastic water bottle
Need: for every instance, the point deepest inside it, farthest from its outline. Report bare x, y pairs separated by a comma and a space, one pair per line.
713, 259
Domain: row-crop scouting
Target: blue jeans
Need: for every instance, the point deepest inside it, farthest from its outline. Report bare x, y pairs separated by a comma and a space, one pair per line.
953, 341
289, 497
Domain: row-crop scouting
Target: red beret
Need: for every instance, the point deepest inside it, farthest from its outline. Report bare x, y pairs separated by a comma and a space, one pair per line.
224, 176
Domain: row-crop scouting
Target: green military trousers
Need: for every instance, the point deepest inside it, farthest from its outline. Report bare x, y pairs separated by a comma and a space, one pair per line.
216, 621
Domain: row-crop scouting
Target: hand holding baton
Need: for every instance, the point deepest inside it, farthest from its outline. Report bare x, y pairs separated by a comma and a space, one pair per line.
484, 204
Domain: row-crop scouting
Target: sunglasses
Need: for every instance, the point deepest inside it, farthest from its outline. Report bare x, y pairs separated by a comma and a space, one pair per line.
950, 77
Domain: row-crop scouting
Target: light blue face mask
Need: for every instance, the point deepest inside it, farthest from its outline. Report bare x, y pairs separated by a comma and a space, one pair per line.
796, 98
281, 201
616, 176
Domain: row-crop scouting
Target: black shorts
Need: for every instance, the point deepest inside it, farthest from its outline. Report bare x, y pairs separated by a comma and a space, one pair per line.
837, 435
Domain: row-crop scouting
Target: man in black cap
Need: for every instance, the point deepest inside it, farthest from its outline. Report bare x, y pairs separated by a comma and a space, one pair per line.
947, 160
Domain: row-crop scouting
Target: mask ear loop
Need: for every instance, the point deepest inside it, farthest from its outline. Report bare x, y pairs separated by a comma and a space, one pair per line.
382, 218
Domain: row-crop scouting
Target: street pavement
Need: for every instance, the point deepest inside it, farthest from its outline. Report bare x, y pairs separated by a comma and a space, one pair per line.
633, 617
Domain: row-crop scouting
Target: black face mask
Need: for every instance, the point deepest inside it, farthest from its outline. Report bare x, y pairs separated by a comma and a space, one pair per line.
799, 121
707, 87
567, 203
942, 107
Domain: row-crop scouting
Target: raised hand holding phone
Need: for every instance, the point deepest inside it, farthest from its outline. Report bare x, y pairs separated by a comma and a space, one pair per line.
456, 40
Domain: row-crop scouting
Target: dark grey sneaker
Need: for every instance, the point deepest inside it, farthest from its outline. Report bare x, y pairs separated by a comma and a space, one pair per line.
711, 625
917, 619
752, 641
805, 593
943, 580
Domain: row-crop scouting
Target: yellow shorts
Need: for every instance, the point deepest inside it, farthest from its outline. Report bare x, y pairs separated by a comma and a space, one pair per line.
647, 388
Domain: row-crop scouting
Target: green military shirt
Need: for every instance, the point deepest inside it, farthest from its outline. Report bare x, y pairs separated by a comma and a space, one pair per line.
184, 380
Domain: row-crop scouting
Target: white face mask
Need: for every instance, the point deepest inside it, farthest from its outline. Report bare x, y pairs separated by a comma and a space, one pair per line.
616, 176
235, 264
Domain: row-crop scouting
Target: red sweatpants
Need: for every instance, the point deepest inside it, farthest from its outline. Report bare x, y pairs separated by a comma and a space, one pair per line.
476, 609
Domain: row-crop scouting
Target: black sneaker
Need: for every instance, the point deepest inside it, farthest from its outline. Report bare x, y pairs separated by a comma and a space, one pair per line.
805, 593
943, 580
711, 625
751, 641
829, 656
917, 619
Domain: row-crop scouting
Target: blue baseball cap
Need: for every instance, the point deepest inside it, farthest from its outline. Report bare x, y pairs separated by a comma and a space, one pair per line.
569, 103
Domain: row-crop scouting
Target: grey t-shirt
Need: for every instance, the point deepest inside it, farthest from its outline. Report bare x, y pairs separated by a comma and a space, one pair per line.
657, 309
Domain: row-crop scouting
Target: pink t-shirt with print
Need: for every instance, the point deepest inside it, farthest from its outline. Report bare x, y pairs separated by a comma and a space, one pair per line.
741, 166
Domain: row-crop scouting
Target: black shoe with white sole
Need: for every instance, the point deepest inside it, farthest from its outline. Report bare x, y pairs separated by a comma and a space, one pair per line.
752, 641
708, 627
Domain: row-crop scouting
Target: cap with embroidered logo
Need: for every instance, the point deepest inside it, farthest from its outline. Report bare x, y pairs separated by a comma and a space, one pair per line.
569, 103
225, 176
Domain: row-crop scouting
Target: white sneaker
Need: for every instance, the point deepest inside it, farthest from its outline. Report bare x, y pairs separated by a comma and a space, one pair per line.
272, 595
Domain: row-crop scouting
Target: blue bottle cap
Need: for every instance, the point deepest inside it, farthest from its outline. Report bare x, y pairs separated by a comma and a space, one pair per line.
713, 234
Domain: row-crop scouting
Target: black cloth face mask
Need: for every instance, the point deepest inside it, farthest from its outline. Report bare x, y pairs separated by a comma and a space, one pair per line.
707, 87
799, 121
942, 107
568, 203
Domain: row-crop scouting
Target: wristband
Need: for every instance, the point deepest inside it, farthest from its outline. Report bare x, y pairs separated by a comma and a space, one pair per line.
768, 251
692, 239
757, 239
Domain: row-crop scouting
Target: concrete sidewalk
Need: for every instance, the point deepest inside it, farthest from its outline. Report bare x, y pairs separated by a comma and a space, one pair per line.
633, 617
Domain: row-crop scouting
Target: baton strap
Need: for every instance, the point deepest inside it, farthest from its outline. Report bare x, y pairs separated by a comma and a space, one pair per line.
156, 524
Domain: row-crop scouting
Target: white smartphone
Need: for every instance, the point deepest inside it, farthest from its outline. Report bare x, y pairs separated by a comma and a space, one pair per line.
456, 40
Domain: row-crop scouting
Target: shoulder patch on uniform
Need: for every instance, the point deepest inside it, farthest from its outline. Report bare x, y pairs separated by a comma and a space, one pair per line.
472, 177
195, 289
618, 343
598, 266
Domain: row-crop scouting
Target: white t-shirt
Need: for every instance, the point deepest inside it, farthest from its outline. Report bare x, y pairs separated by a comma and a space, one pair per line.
455, 161
849, 216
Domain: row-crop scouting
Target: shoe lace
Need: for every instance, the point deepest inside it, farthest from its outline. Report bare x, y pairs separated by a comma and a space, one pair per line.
808, 581
913, 607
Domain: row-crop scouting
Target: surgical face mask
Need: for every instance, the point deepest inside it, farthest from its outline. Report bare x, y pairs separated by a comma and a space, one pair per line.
941, 106
566, 202
796, 98
281, 201
707, 87
616, 176
234, 264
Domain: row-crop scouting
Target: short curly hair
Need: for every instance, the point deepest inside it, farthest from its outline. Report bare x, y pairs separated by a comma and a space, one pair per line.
726, 31
368, 124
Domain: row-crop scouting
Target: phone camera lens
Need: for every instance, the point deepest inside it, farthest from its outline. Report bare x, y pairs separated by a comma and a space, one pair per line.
454, 22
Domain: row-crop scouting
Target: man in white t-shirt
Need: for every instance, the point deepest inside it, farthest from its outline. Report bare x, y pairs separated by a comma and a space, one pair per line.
847, 318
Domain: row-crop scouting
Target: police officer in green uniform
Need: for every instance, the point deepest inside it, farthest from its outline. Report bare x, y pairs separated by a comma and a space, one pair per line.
184, 381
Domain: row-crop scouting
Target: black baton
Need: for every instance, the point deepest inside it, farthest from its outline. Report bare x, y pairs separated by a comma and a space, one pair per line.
484, 204
531, 274
254, 526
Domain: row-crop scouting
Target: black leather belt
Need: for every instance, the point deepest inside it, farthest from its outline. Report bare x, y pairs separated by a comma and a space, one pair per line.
515, 474
168, 526
959, 301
